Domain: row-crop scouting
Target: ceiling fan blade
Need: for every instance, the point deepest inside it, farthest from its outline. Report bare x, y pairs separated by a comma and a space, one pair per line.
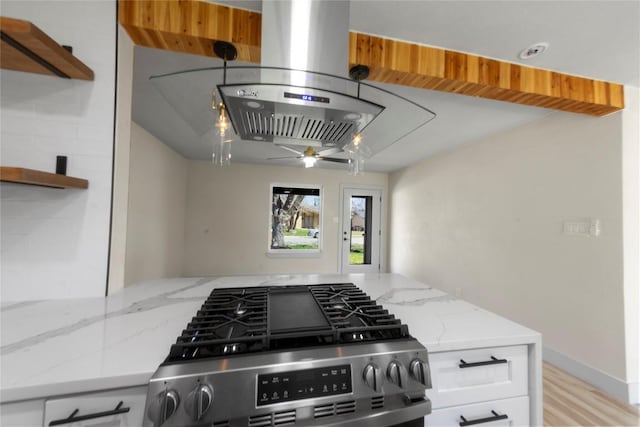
328, 151
284, 147
283, 158
333, 159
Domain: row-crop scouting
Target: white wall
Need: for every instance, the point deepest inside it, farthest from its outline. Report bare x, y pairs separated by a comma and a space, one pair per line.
55, 242
117, 253
487, 220
227, 224
156, 209
631, 222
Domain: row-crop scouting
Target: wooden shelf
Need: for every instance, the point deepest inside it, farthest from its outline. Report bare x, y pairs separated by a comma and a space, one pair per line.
27, 48
43, 179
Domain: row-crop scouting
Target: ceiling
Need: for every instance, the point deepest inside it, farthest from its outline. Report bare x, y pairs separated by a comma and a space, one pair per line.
596, 39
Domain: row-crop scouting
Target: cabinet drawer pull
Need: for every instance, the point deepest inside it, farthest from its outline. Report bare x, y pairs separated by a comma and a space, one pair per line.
495, 417
74, 419
493, 361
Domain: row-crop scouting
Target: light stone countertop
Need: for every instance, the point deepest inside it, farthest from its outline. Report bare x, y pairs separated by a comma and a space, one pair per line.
56, 347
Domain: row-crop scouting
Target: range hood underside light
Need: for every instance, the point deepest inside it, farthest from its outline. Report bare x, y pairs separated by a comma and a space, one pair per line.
283, 115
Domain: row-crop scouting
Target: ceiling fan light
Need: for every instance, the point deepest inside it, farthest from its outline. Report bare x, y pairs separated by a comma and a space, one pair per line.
309, 161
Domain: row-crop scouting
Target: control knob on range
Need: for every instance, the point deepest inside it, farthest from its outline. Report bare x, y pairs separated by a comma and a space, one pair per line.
163, 407
373, 376
199, 401
397, 374
420, 372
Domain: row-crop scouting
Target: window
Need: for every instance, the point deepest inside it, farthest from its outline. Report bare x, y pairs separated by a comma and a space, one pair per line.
295, 224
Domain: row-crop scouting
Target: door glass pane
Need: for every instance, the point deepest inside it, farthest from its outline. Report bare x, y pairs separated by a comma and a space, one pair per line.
360, 236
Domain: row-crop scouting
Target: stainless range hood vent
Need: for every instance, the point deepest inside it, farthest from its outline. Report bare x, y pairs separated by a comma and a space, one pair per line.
331, 133
302, 130
292, 115
265, 125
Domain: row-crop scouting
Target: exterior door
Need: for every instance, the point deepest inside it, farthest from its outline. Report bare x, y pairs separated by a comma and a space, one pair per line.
361, 232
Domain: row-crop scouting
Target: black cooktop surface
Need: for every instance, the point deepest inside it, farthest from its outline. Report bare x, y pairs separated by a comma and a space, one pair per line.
245, 320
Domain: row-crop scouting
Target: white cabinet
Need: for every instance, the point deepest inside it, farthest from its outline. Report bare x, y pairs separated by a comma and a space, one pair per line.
506, 412
25, 413
97, 409
489, 386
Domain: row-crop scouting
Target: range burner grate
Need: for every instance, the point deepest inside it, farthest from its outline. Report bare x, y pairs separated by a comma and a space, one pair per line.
355, 316
246, 320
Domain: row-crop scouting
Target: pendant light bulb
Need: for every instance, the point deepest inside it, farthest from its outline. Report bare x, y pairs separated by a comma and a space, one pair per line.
356, 166
357, 151
221, 152
222, 145
223, 123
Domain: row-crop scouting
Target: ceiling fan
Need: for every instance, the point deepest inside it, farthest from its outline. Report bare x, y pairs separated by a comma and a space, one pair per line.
310, 156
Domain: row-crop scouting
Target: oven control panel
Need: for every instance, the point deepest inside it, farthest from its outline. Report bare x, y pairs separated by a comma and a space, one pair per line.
295, 385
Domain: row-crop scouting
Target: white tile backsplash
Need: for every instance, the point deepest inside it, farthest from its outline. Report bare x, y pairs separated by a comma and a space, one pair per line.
54, 243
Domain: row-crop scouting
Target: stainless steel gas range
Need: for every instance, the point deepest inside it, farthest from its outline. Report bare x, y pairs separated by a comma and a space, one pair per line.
309, 355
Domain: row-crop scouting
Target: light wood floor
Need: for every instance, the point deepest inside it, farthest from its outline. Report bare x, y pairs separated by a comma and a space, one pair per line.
569, 401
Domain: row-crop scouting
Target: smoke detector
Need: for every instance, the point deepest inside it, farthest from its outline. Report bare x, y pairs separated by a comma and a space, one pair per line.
533, 50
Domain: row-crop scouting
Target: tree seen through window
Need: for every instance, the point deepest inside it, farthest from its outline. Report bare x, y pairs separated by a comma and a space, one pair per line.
295, 218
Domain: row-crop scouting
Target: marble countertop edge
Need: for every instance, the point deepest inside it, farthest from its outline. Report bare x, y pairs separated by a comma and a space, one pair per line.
534, 338
62, 389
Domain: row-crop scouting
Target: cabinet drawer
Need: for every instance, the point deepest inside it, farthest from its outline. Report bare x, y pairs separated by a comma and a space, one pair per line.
478, 375
516, 411
98, 409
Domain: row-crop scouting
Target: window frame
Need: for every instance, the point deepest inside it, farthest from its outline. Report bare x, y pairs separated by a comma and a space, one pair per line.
295, 253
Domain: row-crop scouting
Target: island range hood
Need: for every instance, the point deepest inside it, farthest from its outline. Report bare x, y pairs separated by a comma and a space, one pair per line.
301, 94
305, 35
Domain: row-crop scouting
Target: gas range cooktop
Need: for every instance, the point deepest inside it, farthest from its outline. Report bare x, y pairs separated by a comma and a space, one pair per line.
309, 355
246, 320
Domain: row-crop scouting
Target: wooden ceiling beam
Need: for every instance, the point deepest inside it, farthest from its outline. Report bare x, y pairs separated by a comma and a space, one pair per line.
191, 26
425, 67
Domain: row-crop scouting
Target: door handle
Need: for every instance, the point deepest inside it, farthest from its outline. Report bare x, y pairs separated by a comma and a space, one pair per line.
73, 418
493, 361
464, 422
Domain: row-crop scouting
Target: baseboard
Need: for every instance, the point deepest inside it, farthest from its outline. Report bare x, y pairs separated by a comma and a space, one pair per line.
634, 393
627, 392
